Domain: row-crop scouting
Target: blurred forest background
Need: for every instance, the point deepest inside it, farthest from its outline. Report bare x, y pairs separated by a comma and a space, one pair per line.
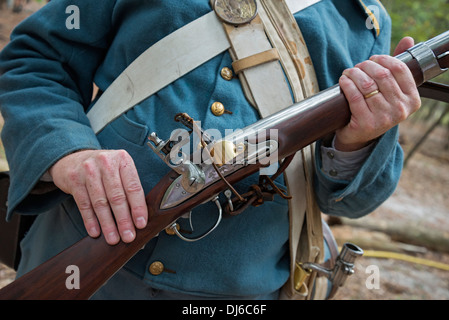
407, 238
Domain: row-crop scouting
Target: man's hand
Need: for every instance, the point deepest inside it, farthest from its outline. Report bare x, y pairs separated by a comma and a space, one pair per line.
107, 191
381, 93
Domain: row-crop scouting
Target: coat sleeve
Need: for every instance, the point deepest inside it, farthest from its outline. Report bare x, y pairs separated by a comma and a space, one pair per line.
374, 183
46, 85
379, 175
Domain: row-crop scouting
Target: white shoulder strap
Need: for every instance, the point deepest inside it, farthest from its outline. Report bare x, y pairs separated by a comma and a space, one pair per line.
164, 62
298, 5
161, 64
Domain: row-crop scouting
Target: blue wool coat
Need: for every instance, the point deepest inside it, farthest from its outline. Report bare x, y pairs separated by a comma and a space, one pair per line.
45, 91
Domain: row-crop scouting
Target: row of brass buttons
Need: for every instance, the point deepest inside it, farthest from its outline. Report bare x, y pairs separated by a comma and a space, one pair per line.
218, 108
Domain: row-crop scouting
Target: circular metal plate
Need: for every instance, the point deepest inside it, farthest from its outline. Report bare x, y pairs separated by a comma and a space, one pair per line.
236, 12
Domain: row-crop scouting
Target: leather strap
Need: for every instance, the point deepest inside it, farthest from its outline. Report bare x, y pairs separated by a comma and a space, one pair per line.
284, 33
255, 60
306, 240
267, 96
275, 26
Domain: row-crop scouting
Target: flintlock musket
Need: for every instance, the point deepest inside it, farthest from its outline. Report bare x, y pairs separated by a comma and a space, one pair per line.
189, 185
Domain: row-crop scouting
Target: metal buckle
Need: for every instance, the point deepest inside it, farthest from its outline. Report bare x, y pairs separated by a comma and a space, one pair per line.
236, 12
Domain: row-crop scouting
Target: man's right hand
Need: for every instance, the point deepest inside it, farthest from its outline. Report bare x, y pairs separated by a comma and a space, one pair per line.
107, 190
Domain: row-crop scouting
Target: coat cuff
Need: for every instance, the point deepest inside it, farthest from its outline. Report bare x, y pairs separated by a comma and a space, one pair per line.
50, 143
371, 186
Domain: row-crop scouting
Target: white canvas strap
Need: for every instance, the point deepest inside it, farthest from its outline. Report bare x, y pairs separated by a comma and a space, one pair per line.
191, 46
265, 86
298, 5
305, 243
167, 60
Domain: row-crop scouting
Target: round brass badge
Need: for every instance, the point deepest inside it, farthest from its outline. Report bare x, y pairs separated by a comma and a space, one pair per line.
236, 12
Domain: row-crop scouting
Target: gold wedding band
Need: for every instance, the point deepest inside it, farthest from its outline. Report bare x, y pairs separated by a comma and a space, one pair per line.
369, 95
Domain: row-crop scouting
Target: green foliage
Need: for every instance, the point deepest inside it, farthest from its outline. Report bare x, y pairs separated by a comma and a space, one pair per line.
420, 19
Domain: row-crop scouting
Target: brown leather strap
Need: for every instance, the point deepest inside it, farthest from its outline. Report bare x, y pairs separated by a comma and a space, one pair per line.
255, 60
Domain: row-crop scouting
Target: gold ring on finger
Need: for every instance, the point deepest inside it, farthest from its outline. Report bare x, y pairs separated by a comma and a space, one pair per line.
369, 95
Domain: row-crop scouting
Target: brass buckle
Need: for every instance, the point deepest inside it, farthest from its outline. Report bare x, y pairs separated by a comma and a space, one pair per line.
300, 277
236, 12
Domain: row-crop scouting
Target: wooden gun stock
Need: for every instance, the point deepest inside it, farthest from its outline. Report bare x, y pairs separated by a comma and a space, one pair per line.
97, 261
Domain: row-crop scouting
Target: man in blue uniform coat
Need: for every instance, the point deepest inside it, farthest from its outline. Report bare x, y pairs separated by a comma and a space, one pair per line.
46, 89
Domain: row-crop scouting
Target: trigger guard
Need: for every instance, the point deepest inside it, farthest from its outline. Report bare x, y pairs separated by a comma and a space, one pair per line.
182, 237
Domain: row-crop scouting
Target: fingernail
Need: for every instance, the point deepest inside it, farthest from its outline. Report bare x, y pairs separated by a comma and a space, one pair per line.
141, 222
128, 235
93, 232
112, 237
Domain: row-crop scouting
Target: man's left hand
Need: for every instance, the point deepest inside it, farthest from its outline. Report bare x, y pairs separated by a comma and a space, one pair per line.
381, 93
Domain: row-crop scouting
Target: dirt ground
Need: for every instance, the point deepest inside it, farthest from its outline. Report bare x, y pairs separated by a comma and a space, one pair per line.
420, 202
419, 205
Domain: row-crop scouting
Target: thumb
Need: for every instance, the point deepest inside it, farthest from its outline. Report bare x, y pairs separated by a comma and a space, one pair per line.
403, 45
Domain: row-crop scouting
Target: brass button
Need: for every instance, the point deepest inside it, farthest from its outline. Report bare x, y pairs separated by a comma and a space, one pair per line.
156, 268
170, 231
226, 73
217, 109
330, 155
